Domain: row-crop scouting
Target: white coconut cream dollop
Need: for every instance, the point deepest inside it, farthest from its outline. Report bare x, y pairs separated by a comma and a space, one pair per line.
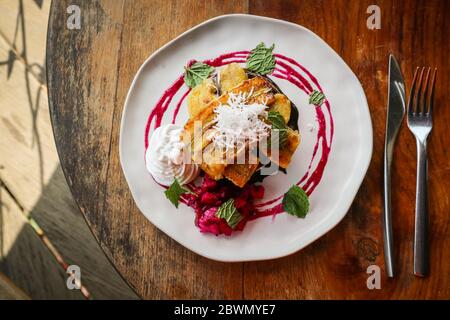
165, 159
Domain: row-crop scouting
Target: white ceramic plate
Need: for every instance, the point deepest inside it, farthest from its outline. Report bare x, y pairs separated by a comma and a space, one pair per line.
351, 147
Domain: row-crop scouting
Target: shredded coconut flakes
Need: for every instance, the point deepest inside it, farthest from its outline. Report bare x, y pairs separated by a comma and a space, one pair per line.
238, 123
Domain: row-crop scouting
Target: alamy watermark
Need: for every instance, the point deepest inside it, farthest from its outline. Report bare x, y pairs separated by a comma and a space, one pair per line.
74, 19
374, 280
74, 279
374, 20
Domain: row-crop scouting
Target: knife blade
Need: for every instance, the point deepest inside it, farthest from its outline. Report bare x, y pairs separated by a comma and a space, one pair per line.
394, 119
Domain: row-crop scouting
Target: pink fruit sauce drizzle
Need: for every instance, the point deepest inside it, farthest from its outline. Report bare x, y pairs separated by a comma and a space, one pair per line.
284, 70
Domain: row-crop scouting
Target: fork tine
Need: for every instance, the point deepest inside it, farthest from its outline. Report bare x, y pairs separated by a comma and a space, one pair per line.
411, 93
423, 108
419, 93
433, 80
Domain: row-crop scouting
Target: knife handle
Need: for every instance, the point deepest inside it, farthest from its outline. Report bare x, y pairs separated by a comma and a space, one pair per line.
387, 217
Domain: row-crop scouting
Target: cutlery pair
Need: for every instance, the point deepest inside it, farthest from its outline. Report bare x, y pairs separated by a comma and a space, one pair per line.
419, 119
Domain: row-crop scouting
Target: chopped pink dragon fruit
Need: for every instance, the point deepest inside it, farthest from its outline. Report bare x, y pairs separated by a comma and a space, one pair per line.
211, 194
209, 223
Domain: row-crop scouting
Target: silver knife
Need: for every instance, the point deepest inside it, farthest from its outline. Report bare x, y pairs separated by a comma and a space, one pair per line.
394, 119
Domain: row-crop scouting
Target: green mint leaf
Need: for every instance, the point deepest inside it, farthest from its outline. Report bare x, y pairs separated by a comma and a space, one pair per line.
196, 73
316, 98
174, 192
279, 127
296, 202
229, 212
276, 119
261, 59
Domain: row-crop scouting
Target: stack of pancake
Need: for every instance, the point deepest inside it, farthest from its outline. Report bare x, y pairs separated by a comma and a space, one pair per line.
214, 91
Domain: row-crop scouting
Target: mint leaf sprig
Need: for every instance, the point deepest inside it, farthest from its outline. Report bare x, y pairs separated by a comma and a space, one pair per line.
296, 202
261, 59
174, 192
316, 98
229, 212
196, 73
277, 121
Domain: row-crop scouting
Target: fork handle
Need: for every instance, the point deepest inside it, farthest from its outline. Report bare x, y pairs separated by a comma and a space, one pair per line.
421, 249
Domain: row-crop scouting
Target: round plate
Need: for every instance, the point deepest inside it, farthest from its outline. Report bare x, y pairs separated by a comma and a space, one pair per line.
350, 142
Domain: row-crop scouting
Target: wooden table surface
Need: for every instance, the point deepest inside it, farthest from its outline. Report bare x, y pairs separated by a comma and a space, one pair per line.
89, 74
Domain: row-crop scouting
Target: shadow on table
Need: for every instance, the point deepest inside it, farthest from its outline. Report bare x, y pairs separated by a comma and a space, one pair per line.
27, 254
26, 258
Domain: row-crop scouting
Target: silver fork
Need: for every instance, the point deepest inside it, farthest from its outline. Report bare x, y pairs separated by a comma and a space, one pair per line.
420, 122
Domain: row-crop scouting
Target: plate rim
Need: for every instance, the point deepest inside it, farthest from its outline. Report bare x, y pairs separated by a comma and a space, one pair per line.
328, 224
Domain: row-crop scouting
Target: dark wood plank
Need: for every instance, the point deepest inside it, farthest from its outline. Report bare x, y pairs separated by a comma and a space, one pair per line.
9, 291
37, 272
90, 74
29, 164
335, 265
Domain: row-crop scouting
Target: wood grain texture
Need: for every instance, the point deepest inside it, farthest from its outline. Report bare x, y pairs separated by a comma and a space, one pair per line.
111, 45
38, 273
335, 266
9, 291
90, 70
29, 163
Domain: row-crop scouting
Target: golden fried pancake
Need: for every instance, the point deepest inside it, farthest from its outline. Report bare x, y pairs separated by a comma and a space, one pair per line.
282, 105
212, 161
231, 76
200, 97
254, 85
287, 151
